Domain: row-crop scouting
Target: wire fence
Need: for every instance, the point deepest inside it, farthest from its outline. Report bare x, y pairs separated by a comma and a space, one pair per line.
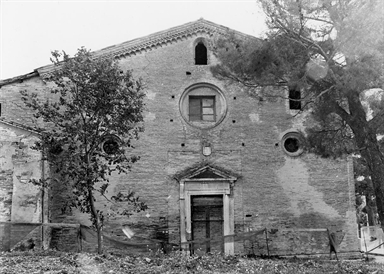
372, 240
259, 242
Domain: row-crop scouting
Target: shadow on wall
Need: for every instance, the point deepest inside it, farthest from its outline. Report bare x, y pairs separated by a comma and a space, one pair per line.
317, 220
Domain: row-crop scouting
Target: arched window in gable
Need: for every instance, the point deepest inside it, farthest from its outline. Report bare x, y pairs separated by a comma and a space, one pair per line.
201, 54
294, 99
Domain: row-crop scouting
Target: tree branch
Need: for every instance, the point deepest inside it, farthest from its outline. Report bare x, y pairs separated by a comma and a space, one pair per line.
318, 19
341, 112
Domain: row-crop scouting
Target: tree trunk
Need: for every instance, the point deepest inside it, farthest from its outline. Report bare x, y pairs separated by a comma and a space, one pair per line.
370, 210
370, 151
366, 141
377, 180
96, 218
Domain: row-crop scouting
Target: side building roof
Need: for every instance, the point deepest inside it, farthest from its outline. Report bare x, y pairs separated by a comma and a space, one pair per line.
19, 126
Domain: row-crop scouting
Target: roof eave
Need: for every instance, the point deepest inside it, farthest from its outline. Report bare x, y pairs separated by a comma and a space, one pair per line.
19, 78
20, 126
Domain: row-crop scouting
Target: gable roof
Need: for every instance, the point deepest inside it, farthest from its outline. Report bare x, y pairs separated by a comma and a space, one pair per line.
146, 43
159, 39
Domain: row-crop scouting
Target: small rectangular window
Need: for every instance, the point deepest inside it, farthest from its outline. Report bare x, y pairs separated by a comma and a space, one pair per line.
202, 108
294, 99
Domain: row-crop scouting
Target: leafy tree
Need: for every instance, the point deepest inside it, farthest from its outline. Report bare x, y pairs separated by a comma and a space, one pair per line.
332, 52
92, 115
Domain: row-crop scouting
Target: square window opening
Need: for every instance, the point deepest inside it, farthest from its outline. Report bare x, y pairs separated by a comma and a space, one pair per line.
202, 108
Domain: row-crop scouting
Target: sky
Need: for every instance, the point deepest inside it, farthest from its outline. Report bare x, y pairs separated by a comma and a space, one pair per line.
30, 30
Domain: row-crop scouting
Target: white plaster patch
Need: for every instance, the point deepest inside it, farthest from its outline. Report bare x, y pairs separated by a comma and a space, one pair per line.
317, 69
299, 120
151, 95
7, 133
26, 205
255, 118
294, 178
150, 116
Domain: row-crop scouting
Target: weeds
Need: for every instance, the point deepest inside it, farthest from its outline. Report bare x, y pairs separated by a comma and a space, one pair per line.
55, 262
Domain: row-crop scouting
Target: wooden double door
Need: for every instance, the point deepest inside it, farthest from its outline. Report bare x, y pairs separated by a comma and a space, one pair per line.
207, 223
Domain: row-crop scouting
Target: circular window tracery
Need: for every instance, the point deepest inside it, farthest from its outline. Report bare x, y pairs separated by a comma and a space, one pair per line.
203, 106
293, 144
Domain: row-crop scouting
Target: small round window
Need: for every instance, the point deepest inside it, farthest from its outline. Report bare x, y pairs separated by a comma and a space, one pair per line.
293, 144
111, 145
203, 105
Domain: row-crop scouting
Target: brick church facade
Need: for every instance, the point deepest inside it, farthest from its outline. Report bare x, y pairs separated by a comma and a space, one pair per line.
215, 162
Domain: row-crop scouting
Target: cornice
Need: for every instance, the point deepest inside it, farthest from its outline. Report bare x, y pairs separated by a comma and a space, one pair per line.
163, 38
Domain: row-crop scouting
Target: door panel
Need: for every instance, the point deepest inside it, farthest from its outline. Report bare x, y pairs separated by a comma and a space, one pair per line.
207, 223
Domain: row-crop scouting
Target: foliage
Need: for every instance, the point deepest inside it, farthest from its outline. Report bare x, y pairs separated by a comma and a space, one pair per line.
332, 51
363, 183
60, 262
91, 114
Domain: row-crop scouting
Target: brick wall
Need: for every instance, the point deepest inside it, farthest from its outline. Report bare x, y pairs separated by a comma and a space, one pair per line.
12, 108
65, 238
274, 190
5, 239
20, 236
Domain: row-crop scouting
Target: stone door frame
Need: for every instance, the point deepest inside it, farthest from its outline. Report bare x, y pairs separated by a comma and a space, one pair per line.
221, 185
